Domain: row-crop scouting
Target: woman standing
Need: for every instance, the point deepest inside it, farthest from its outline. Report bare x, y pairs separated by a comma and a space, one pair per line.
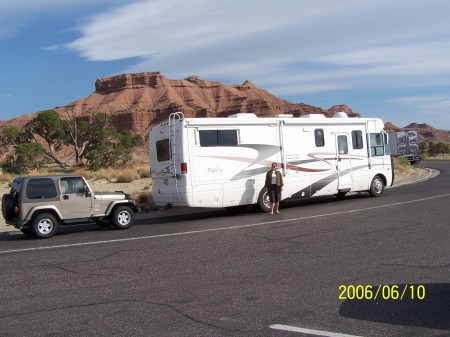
274, 185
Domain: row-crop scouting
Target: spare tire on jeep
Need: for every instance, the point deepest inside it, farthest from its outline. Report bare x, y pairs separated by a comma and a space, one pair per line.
8, 206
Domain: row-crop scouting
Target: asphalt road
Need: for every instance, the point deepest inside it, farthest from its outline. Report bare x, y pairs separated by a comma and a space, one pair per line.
247, 274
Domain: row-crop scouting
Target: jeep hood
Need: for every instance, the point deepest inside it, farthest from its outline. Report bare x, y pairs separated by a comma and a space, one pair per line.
111, 195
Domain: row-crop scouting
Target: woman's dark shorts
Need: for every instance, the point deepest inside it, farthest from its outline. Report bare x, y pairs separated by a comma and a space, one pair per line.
274, 193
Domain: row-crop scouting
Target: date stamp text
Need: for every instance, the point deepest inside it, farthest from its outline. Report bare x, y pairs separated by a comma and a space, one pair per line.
382, 292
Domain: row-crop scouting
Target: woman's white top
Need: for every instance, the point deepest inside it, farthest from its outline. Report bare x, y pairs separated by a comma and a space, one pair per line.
274, 178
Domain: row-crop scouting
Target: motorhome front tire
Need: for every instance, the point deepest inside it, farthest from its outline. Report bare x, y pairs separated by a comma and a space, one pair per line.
376, 186
264, 201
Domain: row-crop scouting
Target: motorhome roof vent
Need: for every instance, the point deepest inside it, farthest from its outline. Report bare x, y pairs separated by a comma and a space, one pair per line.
243, 115
340, 114
313, 116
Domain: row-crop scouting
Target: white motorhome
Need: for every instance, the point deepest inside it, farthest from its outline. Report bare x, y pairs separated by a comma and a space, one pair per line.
222, 162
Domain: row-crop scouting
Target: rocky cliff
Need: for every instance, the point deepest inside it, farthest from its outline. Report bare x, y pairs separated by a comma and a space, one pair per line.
138, 101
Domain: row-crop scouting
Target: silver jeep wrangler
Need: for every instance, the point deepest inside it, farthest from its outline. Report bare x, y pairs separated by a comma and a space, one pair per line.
38, 205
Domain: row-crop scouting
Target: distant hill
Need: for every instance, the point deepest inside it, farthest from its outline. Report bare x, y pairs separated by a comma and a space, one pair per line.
138, 101
426, 132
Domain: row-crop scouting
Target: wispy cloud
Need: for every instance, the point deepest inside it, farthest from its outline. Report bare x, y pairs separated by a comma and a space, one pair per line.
291, 48
435, 107
16, 15
294, 47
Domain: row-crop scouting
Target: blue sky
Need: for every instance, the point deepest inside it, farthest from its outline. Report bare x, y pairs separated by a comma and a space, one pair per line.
383, 58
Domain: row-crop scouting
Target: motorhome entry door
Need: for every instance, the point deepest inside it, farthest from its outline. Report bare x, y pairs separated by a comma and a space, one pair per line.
343, 162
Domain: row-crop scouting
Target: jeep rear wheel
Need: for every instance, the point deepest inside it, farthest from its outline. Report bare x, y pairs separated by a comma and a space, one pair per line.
122, 217
44, 225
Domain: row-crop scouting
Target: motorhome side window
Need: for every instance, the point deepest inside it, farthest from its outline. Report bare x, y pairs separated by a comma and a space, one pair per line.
218, 138
357, 139
163, 150
319, 137
376, 144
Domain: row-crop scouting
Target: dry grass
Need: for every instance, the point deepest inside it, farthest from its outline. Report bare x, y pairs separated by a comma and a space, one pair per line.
127, 177
444, 156
402, 166
124, 174
6, 177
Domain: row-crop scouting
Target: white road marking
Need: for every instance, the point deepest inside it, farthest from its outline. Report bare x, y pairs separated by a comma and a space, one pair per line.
220, 228
309, 331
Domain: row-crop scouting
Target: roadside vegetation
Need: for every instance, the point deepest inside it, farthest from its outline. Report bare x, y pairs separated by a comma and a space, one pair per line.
402, 166
48, 140
434, 151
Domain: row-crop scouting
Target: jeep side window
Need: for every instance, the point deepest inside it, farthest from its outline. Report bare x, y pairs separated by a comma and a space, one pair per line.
72, 185
40, 188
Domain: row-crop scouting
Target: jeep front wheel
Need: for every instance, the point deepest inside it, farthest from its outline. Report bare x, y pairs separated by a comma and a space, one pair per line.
44, 225
122, 217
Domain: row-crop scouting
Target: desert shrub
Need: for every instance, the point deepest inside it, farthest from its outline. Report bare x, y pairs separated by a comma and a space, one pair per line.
6, 178
143, 198
84, 172
401, 161
109, 174
402, 166
144, 172
127, 177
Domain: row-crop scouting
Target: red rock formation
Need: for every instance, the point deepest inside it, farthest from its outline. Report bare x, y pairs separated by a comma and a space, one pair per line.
138, 101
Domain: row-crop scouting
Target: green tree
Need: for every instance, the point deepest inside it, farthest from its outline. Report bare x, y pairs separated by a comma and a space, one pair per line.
95, 143
442, 148
29, 156
11, 136
423, 148
48, 126
127, 141
105, 147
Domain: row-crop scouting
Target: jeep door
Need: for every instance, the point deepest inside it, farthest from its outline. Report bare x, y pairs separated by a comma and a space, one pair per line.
76, 203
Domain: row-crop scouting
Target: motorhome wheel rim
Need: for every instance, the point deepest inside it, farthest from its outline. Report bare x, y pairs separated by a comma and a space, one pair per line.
378, 185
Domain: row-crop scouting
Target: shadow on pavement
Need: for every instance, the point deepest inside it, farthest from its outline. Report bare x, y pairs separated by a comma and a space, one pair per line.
432, 312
